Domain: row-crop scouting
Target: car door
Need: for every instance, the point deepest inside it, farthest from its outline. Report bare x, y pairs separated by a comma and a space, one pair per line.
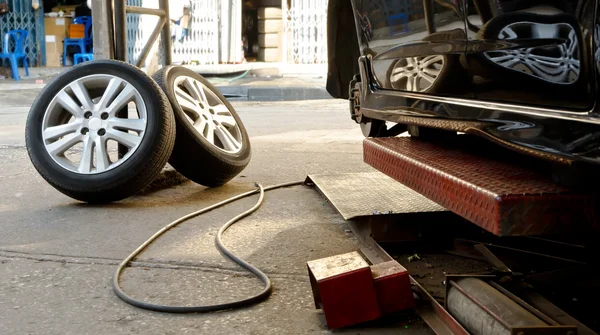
416, 45
532, 52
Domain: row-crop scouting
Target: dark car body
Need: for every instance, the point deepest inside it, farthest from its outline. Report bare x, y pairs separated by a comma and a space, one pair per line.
523, 73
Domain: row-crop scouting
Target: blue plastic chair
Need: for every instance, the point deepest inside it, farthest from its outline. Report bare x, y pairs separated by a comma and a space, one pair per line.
20, 38
80, 58
81, 43
404, 20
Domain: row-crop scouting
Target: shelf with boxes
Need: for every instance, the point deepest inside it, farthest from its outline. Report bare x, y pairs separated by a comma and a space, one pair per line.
67, 36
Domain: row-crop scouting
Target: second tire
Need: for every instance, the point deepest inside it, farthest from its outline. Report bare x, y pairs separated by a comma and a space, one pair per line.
212, 145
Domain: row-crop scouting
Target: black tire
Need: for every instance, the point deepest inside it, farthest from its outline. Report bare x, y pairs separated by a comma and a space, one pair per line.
133, 173
193, 156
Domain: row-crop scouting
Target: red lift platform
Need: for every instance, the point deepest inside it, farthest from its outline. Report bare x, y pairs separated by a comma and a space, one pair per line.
527, 230
502, 192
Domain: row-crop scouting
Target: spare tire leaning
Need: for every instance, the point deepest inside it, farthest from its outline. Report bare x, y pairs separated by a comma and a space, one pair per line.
75, 125
212, 145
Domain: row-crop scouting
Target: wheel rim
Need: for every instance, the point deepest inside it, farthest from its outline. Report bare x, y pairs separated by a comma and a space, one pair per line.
416, 74
557, 64
81, 130
208, 114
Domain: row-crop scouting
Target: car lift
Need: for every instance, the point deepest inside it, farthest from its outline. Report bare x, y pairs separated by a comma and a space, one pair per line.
477, 181
501, 198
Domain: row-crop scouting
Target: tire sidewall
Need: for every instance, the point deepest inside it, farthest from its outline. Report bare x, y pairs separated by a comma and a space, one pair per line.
185, 128
126, 170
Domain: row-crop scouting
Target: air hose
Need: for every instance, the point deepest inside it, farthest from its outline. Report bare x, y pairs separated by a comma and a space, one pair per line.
219, 243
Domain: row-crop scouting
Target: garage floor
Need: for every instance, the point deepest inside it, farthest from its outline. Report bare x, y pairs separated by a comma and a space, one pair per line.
57, 256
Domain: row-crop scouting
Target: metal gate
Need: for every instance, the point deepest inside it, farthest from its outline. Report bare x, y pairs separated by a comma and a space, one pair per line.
306, 28
137, 37
22, 16
201, 43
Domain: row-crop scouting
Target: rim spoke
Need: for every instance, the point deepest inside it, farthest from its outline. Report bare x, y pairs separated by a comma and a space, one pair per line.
69, 104
85, 165
209, 133
51, 133
507, 33
503, 57
82, 95
126, 139
509, 63
226, 119
430, 60
200, 124
197, 90
126, 95
137, 125
64, 144
399, 76
220, 109
228, 141
186, 101
407, 68
427, 77
101, 154
432, 72
412, 83
111, 91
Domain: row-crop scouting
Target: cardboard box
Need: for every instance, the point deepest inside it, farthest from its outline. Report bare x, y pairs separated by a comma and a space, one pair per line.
56, 29
54, 50
65, 9
57, 26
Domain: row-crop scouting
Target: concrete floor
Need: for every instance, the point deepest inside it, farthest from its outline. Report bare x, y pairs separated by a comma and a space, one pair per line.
57, 256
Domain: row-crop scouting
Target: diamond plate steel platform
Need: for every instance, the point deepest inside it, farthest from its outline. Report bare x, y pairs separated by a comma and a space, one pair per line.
478, 182
371, 193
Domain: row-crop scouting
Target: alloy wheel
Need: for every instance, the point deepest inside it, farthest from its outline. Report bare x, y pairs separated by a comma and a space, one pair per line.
558, 64
416, 74
83, 127
208, 114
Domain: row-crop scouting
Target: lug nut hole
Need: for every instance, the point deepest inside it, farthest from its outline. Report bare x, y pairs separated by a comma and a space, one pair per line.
101, 132
104, 116
87, 115
85, 131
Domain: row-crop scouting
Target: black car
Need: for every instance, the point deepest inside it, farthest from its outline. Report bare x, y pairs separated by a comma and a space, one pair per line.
522, 73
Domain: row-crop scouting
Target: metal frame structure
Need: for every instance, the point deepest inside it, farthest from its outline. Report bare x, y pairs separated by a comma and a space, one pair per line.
162, 27
110, 33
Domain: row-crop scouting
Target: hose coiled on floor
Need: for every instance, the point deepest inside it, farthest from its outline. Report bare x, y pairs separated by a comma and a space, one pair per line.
219, 244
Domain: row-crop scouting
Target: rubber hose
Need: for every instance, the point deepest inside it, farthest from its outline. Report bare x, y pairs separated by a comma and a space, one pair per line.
231, 78
219, 243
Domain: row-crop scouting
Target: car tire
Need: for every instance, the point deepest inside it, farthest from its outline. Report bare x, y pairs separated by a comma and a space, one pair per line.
82, 106
373, 128
207, 163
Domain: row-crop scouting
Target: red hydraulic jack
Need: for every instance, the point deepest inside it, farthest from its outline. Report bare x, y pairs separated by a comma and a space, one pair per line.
349, 291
